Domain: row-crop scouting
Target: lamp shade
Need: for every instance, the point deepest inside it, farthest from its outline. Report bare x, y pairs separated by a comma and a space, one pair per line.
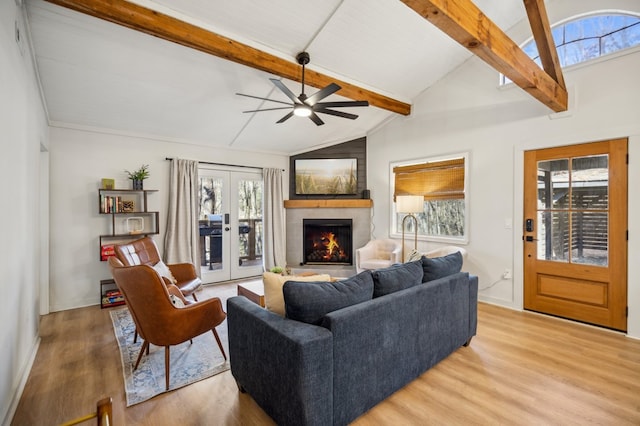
409, 204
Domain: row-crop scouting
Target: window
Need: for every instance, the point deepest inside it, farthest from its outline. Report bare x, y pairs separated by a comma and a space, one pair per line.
442, 182
586, 38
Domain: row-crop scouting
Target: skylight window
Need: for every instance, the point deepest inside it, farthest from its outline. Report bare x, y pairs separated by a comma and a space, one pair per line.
587, 38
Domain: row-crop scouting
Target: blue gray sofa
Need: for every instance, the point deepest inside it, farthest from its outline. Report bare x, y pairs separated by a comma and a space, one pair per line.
339, 351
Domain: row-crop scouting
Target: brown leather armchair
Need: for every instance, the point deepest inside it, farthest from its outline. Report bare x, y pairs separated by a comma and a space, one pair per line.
145, 252
157, 320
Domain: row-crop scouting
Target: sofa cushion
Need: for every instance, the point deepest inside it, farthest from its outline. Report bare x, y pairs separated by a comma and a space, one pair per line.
273, 298
438, 267
397, 277
309, 302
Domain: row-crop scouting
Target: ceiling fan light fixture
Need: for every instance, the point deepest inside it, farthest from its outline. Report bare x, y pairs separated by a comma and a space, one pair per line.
308, 106
301, 110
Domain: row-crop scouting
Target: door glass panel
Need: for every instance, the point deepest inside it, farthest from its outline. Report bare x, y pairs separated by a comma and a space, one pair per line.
573, 205
210, 222
589, 239
250, 222
553, 219
589, 206
553, 235
553, 184
590, 182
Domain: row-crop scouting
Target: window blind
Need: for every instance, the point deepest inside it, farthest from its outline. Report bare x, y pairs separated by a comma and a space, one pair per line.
437, 180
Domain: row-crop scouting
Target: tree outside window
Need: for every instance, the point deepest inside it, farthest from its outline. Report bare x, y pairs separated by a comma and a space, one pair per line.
586, 38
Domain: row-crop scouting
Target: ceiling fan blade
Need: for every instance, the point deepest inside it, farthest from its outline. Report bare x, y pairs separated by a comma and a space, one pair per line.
314, 117
323, 93
268, 109
340, 104
338, 113
285, 118
264, 99
280, 85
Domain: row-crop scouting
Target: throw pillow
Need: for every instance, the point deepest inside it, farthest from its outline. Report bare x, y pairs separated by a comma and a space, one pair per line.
164, 271
177, 302
273, 298
310, 302
438, 267
397, 277
414, 255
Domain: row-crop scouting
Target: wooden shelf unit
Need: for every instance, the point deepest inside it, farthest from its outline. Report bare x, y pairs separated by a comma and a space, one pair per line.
151, 219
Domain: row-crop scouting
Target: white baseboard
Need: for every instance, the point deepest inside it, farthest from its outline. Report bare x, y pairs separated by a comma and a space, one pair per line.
24, 375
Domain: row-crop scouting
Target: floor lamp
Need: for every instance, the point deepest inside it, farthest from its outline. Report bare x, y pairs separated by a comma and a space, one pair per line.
410, 204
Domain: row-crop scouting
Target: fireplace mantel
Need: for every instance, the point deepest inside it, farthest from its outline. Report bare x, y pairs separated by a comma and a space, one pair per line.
328, 204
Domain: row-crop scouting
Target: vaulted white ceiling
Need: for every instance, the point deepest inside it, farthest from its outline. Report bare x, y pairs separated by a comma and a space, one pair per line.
99, 75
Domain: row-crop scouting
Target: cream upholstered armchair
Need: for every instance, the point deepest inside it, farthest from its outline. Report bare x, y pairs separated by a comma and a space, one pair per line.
378, 254
445, 250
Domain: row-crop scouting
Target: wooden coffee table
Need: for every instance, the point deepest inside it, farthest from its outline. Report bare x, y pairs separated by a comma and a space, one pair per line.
253, 291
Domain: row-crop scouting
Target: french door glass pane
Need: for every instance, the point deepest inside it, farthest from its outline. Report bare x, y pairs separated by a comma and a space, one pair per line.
250, 222
210, 222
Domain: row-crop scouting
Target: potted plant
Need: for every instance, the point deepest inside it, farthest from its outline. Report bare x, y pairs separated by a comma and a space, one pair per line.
276, 269
137, 176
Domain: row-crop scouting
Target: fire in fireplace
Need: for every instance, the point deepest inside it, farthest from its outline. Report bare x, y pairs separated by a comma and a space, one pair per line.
328, 241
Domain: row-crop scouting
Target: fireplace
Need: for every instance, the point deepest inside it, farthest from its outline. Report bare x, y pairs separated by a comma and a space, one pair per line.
328, 241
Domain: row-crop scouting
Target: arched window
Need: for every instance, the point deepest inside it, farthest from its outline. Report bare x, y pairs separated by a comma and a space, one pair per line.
586, 38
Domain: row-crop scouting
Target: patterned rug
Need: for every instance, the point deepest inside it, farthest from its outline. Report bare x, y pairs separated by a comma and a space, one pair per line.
189, 362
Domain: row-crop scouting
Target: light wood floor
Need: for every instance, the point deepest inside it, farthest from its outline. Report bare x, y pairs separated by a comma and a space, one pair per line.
521, 369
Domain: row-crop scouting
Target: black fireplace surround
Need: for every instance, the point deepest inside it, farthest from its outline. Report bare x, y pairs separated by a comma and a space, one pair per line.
328, 241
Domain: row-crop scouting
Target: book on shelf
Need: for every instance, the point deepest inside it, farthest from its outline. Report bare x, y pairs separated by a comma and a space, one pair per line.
111, 204
106, 251
112, 293
112, 300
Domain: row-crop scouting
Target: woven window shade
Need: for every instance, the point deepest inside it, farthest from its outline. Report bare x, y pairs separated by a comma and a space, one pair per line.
438, 180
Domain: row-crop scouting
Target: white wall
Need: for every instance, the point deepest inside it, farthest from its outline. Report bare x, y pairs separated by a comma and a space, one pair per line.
79, 160
466, 111
22, 131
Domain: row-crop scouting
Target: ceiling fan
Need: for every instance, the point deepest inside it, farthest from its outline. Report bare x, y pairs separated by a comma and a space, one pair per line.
308, 106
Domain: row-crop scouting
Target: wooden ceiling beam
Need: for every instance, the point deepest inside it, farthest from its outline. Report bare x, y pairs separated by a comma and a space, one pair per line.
544, 39
168, 28
466, 24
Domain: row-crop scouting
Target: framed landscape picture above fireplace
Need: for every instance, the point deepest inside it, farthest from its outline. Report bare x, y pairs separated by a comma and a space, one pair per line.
326, 176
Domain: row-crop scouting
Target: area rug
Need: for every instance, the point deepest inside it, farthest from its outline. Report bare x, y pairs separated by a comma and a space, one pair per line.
190, 362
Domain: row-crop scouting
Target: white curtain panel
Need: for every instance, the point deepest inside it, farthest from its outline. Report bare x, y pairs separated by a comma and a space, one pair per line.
182, 236
274, 249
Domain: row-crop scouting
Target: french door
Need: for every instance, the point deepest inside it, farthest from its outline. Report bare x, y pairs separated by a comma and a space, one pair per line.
230, 224
575, 227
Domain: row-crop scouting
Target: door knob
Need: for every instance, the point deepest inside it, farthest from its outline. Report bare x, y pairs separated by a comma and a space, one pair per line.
226, 228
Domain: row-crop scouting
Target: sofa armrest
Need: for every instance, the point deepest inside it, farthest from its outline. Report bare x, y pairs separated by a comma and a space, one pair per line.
396, 256
473, 306
285, 365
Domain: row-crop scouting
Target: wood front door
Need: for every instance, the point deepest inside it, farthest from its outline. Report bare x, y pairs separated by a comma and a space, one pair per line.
575, 232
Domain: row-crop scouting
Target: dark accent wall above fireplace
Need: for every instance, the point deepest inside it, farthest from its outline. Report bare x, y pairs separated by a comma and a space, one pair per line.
356, 148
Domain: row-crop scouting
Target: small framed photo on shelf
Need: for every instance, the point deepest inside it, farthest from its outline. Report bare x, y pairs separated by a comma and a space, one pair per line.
135, 225
108, 183
128, 206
